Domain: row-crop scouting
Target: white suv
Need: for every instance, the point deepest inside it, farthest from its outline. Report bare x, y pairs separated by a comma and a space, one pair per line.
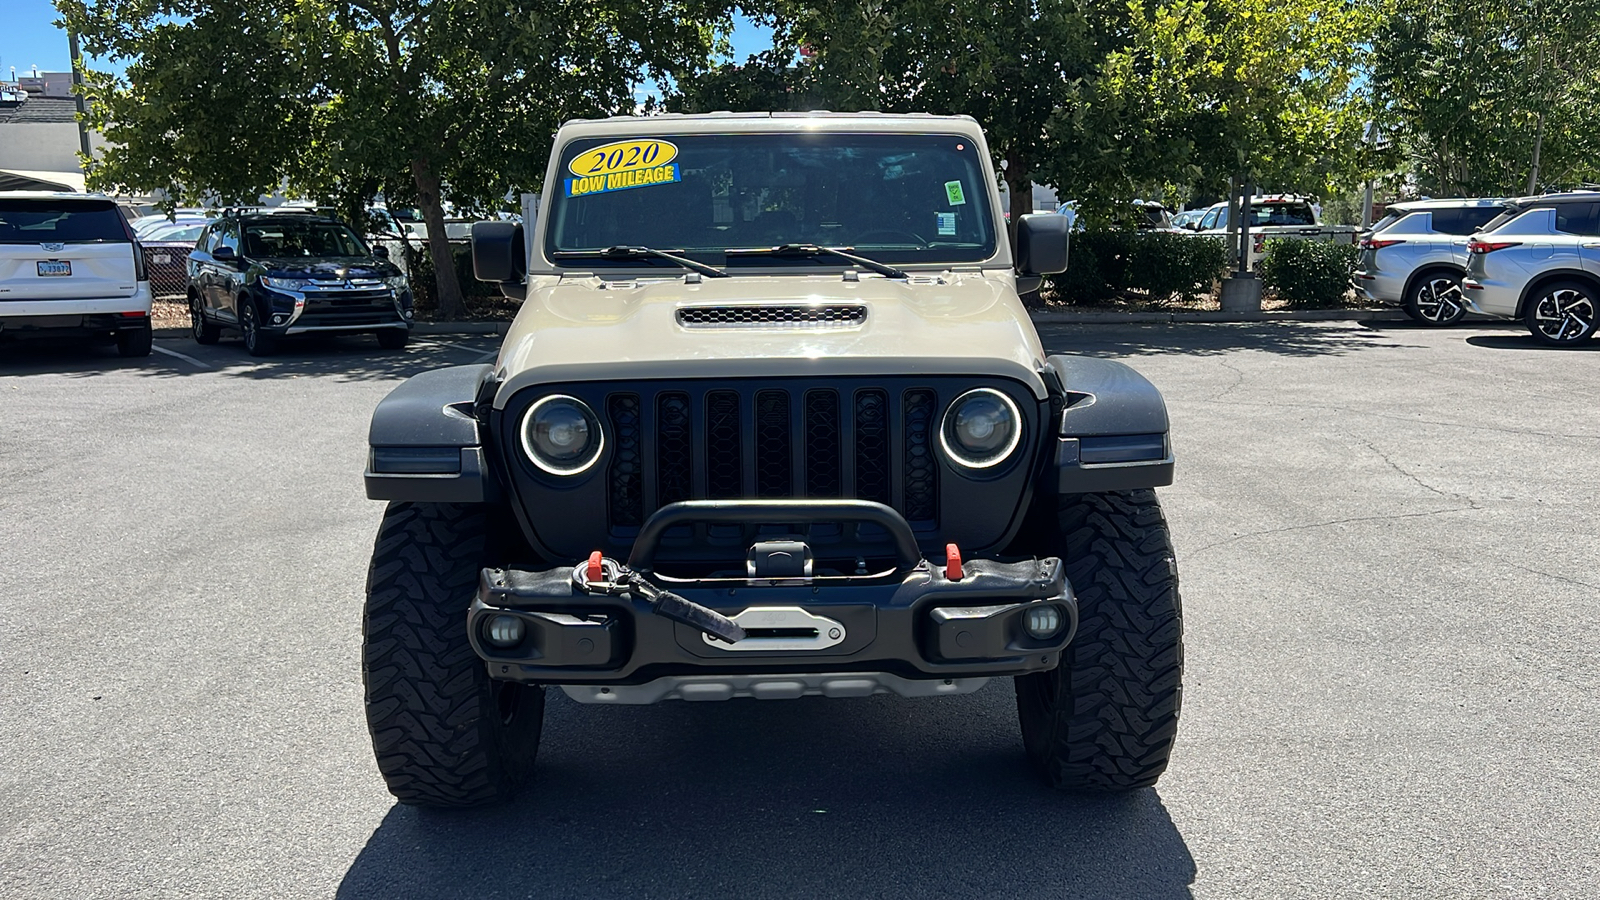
1416, 255
1540, 261
70, 267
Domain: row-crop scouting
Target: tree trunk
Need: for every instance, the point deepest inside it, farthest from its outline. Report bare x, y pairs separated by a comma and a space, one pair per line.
447, 287
1021, 186
1538, 144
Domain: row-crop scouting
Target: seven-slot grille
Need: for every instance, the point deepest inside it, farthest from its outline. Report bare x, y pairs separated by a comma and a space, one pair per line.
794, 316
868, 442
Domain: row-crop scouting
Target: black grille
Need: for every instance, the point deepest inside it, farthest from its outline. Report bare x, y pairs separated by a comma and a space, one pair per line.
822, 444
872, 446
626, 488
774, 465
724, 474
767, 440
674, 448
772, 316
921, 469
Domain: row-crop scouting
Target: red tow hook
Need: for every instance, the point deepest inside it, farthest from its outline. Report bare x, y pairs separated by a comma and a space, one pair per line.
952, 562
595, 573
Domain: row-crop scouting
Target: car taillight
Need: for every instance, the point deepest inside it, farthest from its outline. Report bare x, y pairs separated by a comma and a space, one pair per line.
1379, 243
139, 273
1477, 246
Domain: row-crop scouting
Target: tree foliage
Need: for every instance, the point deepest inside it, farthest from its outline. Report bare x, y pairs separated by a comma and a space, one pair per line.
423, 100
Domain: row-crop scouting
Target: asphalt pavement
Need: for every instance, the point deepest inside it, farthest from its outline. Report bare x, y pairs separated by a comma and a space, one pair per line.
1387, 540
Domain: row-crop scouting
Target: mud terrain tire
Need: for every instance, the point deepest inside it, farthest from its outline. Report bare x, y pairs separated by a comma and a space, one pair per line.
444, 733
1105, 719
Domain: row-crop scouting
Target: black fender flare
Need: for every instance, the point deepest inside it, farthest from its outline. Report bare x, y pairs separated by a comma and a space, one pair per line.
1111, 430
426, 443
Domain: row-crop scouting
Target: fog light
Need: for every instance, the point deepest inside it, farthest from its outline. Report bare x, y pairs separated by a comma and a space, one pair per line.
279, 319
1042, 623
505, 631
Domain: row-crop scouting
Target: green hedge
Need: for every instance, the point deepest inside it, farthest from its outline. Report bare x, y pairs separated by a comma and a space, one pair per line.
1162, 265
1309, 274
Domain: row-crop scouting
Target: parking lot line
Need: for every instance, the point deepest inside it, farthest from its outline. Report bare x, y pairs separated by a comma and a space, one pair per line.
183, 356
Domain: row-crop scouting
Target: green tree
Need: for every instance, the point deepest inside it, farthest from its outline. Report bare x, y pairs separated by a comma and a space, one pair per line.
428, 100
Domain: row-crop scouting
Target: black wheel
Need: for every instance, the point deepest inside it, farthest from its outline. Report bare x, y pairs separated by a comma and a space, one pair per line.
1105, 719
443, 732
394, 338
1563, 314
1435, 299
204, 331
256, 343
134, 341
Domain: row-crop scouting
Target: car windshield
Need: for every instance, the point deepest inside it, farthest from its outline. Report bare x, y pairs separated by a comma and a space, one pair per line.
178, 233
288, 238
901, 198
61, 222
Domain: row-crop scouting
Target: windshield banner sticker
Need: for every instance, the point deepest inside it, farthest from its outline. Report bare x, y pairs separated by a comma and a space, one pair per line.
621, 165
952, 192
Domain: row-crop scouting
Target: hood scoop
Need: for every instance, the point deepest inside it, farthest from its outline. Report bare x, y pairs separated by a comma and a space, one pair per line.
797, 316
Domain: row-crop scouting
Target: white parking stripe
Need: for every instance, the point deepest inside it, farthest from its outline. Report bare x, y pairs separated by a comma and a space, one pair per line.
487, 356
185, 357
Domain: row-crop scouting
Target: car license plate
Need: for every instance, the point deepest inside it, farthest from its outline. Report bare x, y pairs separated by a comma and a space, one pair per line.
160, 258
54, 268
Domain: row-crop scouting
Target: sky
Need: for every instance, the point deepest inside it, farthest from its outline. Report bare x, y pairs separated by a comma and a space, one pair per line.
27, 39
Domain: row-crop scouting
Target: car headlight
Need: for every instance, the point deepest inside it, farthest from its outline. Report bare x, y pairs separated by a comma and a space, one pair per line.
398, 283
981, 428
286, 284
561, 435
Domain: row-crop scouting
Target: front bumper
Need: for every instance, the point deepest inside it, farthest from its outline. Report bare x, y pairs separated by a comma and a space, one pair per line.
311, 312
912, 625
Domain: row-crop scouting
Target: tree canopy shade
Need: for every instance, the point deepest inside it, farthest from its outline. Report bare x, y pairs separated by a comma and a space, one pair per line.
1478, 94
419, 99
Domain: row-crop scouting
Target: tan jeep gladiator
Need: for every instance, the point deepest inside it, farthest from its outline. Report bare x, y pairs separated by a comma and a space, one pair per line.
772, 423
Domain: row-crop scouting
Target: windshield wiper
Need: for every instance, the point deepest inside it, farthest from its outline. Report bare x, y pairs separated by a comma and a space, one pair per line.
624, 251
814, 250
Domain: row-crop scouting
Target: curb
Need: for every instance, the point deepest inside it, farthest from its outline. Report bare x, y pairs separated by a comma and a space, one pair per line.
1053, 317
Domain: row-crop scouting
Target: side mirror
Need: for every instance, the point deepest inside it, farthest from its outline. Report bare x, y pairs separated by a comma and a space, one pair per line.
224, 254
380, 252
498, 252
1042, 244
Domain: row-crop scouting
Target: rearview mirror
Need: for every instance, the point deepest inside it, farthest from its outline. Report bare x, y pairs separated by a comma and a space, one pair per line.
224, 254
498, 252
1042, 244
380, 252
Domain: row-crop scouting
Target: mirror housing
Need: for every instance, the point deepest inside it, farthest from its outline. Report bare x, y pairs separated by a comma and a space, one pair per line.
380, 252
1042, 241
224, 254
499, 252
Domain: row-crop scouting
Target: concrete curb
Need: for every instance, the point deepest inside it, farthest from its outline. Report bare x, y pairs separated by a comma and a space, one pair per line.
1062, 317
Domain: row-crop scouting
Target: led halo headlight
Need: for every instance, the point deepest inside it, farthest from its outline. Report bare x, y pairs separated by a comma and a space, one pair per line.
562, 435
982, 428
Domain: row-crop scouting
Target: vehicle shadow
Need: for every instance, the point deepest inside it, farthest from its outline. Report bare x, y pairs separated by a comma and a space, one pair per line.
1297, 339
810, 798
1526, 341
337, 357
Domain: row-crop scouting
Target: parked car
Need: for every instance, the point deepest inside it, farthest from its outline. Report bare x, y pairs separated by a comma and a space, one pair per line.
275, 275
70, 267
1540, 261
1275, 217
792, 433
166, 256
144, 225
1416, 255
1187, 220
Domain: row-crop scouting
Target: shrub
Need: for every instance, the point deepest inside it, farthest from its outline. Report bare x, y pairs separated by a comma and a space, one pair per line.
1106, 263
1309, 274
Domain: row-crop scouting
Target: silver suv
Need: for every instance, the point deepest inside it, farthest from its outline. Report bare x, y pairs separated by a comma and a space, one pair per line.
1416, 255
1540, 261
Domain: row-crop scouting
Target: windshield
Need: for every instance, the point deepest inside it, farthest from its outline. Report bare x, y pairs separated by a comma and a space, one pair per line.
902, 198
286, 239
1267, 214
55, 221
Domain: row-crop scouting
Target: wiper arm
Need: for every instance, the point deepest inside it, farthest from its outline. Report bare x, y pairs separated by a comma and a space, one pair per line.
815, 250
624, 251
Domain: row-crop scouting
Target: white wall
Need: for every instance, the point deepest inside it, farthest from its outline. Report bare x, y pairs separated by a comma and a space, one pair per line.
42, 146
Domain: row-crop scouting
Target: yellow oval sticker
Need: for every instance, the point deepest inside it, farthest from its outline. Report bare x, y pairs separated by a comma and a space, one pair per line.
623, 156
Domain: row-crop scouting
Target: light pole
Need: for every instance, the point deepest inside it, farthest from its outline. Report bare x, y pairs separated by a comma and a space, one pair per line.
77, 91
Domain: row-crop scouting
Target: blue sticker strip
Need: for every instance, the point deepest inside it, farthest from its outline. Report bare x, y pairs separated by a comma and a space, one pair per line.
621, 181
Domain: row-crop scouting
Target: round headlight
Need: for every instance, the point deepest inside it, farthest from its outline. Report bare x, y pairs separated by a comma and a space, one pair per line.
561, 435
981, 428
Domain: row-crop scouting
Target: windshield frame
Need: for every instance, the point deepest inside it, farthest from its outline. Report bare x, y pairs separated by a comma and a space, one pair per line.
995, 253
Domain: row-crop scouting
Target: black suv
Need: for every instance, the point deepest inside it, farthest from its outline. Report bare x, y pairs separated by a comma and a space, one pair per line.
272, 275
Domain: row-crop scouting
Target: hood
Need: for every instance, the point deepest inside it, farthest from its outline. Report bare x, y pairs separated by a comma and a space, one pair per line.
335, 269
589, 329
